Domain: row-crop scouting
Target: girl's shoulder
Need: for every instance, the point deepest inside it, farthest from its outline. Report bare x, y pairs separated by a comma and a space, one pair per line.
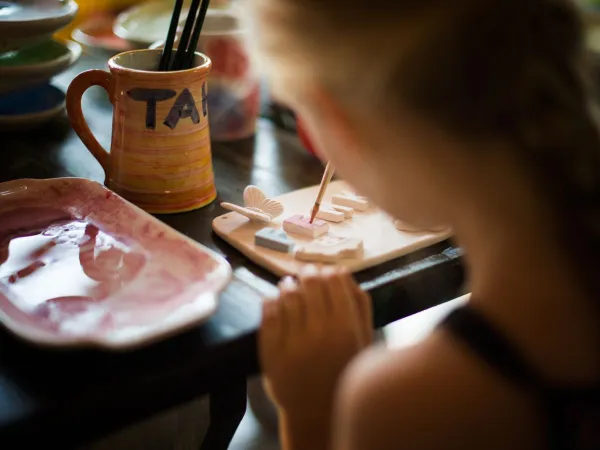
430, 396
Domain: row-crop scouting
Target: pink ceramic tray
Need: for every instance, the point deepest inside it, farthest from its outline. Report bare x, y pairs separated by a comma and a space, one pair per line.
80, 266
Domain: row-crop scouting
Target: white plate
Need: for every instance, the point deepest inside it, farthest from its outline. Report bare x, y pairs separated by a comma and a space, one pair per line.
149, 22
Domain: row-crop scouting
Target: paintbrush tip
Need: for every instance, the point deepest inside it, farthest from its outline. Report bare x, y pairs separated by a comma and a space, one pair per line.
313, 213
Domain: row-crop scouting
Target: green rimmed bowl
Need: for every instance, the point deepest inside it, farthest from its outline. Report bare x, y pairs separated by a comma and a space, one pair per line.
37, 64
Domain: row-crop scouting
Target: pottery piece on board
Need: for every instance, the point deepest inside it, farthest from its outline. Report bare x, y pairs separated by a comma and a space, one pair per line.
256, 206
330, 249
329, 214
403, 226
252, 215
274, 239
299, 224
351, 201
348, 212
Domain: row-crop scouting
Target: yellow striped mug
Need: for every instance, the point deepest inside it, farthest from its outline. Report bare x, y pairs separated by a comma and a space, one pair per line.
160, 157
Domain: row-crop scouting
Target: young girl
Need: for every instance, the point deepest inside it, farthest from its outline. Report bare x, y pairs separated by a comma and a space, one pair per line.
477, 114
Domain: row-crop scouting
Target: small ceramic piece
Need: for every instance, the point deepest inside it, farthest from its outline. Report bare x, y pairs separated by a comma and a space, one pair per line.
256, 199
274, 239
403, 226
252, 215
348, 212
256, 206
330, 215
330, 249
301, 225
351, 201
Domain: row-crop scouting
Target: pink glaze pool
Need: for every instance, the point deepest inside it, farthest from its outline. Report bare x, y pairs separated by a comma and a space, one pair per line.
81, 266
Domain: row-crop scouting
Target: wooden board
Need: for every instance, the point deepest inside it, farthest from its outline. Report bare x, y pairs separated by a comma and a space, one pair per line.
382, 241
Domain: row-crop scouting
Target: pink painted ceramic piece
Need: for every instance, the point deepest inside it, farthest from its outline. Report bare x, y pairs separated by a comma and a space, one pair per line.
81, 266
299, 224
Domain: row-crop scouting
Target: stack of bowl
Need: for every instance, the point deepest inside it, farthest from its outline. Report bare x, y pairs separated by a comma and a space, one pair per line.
30, 58
148, 22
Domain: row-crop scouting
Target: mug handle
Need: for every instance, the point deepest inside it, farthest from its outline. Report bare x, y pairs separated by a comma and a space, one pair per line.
78, 86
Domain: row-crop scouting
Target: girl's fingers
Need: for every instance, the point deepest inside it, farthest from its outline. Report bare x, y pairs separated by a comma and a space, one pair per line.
365, 311
342, 289
269, 335
313, 291
292, 303
331, 295
285, 308
353, 305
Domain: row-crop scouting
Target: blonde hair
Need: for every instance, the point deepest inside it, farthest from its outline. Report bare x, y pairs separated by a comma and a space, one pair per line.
515, 70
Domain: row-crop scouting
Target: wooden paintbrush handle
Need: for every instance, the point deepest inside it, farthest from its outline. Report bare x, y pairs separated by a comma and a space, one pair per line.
327, 176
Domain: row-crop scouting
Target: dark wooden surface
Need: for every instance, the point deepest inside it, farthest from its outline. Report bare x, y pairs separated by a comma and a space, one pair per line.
70, 397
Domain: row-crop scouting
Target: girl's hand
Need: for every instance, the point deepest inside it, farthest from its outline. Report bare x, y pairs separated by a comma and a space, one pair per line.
309, 335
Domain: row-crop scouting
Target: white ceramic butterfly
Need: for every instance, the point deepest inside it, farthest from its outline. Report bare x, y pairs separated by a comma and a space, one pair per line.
256, 206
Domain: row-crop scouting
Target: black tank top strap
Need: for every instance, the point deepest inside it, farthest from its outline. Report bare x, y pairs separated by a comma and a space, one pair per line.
573, 415
491, 345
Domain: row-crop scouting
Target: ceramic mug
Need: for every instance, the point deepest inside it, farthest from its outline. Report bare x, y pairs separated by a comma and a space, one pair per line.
234, 98
160, 158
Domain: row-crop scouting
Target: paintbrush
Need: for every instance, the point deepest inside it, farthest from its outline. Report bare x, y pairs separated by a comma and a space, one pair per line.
196, 34
165, 59
327, 175
181, 58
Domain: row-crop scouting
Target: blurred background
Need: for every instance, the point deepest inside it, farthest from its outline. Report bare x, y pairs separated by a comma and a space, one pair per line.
97, 19
99, 29
79, 34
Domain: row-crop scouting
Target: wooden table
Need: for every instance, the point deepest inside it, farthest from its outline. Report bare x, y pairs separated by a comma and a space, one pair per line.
67, 398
